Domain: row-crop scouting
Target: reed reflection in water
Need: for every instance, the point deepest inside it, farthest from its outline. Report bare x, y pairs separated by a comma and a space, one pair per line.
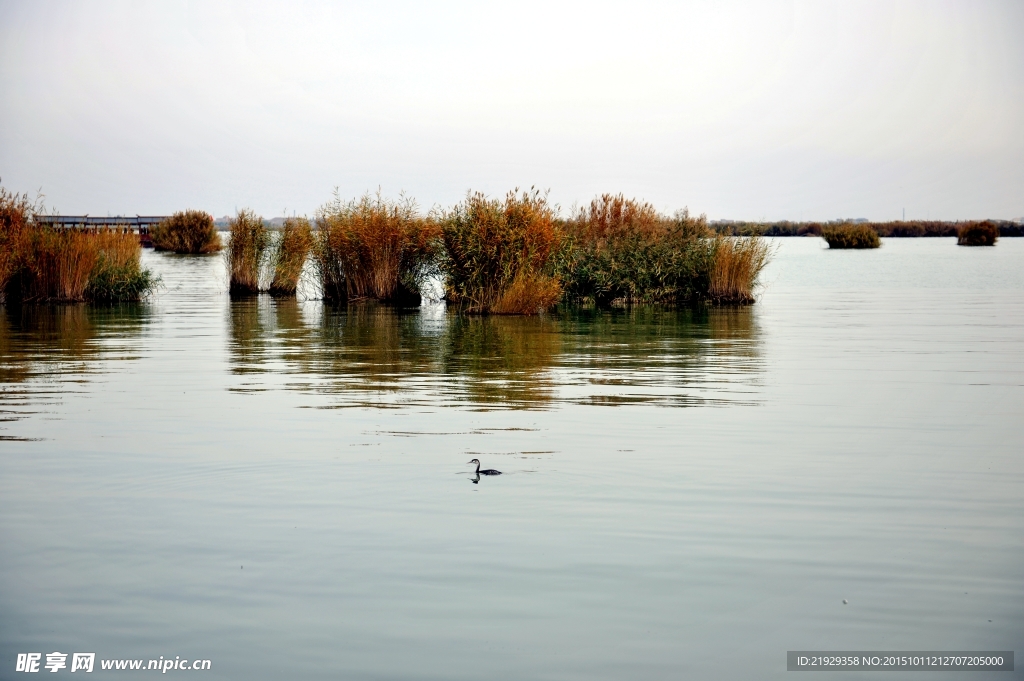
45, 350
377, 356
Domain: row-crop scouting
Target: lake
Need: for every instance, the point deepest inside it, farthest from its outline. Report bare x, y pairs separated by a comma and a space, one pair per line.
281, 487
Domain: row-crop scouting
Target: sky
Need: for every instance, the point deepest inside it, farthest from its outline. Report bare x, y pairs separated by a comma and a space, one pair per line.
738, 110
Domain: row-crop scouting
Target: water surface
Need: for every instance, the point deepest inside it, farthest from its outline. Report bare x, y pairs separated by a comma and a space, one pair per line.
281, 487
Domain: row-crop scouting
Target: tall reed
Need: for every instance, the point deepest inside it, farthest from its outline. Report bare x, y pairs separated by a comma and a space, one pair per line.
373, 247
623, 250
117, 275
57, 265
735, 264
498, 255
289, 256
189, 231
977, 234
245, 252
16, 211
64, 265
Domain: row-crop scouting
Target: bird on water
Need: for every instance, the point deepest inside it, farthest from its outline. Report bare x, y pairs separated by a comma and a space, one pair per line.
486, 471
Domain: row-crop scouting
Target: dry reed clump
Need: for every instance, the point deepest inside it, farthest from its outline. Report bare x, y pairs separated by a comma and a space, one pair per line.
289, 256
117, 274
735, 264
851, 236
189, 231
498, 255
373, 248
16, 211
62, 265
977, 234
245, 253
623, 250
42, 263
57, 264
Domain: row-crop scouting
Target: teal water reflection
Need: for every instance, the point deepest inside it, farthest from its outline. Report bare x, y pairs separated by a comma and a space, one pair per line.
47, 352
378, 356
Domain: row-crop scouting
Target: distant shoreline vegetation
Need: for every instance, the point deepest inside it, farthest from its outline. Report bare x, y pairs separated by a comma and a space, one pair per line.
894, 229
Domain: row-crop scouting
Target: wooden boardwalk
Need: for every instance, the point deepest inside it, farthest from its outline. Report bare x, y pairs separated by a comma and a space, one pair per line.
139, 224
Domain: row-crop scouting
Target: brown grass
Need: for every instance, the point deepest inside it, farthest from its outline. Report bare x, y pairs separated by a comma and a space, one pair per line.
499, 254
612, 217
245, 252
120, 247
117, 274
189, 231
527, 294
16, 212
623, 250
735, 266
289, 256
57, 264
65, 265
43, 263
977, 234
851, 236
373, 248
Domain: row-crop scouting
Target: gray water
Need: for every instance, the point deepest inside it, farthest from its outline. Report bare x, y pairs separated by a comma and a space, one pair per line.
282, 488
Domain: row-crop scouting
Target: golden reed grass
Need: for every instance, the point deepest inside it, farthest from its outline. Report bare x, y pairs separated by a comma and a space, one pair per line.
57, 264
736, 263
289, 256
42, 263
189, 231
373, 248
498, 254
16, 212
245, 253
117, 274
623, 250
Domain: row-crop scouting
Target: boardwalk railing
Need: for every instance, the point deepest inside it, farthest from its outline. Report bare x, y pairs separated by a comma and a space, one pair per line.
137, 223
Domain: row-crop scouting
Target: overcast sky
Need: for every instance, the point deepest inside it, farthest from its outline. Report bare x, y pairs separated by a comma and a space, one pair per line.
744, 110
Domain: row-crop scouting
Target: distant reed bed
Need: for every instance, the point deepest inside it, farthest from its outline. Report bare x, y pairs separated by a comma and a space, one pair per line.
851, 236
896, 228
977, 234
373, 248
189, 231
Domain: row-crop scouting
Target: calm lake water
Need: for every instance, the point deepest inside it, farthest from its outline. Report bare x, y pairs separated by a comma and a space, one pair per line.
282, 487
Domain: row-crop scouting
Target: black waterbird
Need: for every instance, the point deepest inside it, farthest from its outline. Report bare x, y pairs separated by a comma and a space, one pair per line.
486, 471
